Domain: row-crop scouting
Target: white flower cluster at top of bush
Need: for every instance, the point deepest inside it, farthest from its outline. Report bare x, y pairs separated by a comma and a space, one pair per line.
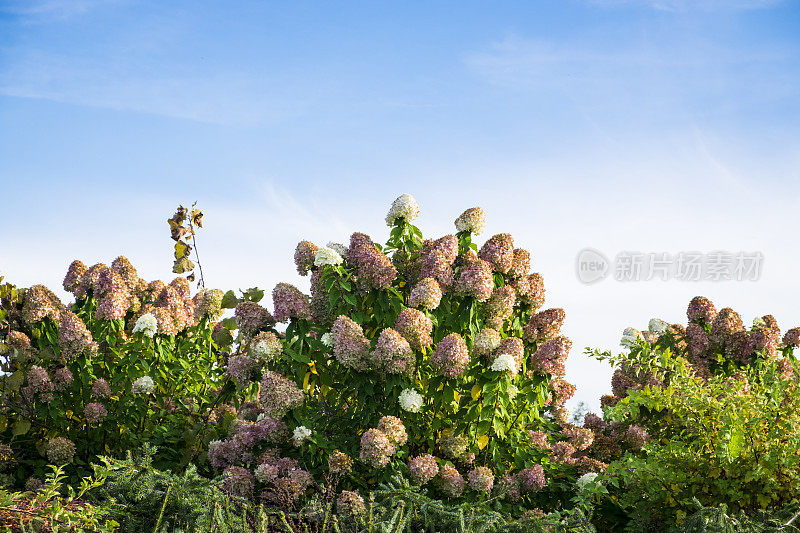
630, 337
405, 207
410, 400
657, 326
300, 434
585, 480
147, 324
327, 256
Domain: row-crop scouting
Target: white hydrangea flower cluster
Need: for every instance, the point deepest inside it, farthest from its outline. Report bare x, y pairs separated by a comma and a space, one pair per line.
472, 220
327, 256
143, 385
630, 337
505, 361
147, 324
327, 339
758, 323
337, 247
410, 400
300, 434
657, 326
585, 480
405, 207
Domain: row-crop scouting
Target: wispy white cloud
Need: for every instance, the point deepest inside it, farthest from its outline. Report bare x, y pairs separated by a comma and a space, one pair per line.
53, 9
692, 5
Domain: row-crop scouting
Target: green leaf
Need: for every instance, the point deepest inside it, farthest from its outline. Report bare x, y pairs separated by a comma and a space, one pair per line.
229, 300
21, 427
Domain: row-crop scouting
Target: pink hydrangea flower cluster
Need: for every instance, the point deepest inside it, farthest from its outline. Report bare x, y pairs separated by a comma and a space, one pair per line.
241, 369
563, 453
539, 439
544, 325
373, 268
349, 503
95, 412
376, 448
304, 256
481, 479
498, 251
701, 310
530, 290
551, 356
500, 306
579, 437
40, 303
101, 389
278, 394
531, 479
350, 346
426, 294
252, 318
39, 385
74, 338
415, 327
475, 280
62, 378
393, 354
436, 260
422, 469
451, 356
290, 303
450, 482
238, 481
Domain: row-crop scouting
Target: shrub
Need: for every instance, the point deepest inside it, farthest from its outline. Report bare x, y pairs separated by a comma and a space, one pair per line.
127, 363
719, 403
415, 348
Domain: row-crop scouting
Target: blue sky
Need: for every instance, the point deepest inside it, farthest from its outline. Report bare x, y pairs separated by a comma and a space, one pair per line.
660, 125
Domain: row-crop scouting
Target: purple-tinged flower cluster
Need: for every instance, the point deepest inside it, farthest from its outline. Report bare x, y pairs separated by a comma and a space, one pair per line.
101, 389
349, 503
72, 281
241, 369
373, 268
39, 385
726, 324
239, 481
450, 482
696, 340
290, 303
243, 438
393, 354
531, 479
500, 306
74, 338
278, 394
40, 302
701, 310
562, 452
579, 437
530, 290
62, 378
481, 479
350, 346
451, 356
636, 437
426, 294
60, 450
376, 448
498, 251
476, 280
515, 347
544, 325
422, 469
792, 338
434, 264
521, 265
551, 356
304, 256
562, 391
95, 412
252, 318
415, 327
538, 439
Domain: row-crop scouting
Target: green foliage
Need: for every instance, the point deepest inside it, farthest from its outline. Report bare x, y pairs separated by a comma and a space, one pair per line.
48, 510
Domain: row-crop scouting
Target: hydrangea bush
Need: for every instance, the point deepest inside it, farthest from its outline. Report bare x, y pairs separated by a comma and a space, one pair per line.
431, 357
707, 411
127, 362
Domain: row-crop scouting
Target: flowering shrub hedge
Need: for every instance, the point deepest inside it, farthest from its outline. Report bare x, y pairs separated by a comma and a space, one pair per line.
717, 402
431, 357
128, 362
